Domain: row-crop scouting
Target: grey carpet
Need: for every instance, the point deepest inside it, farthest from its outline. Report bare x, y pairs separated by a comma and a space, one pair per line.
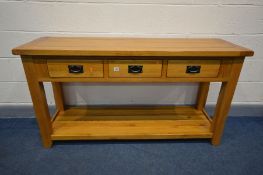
240, 153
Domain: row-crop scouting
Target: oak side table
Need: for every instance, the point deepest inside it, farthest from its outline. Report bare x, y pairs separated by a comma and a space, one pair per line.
131, 60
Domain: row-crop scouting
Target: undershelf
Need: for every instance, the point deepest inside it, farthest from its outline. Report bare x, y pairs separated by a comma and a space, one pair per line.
112, 123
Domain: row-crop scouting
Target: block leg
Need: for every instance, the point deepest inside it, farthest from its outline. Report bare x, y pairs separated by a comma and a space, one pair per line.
58, 95
202, 95
38, 96
224, 101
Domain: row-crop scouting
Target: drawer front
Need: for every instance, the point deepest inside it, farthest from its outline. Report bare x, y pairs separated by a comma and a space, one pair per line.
135, 68
75, 68
193, 68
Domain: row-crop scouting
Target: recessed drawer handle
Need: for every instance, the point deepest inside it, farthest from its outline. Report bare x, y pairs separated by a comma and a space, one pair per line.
135, 69
193, 69
75, 69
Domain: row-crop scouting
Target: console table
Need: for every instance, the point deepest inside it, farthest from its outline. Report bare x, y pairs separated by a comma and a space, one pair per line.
131, 60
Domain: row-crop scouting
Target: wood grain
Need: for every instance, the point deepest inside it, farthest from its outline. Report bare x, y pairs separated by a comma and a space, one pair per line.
151, 68
202, 95
80, 46
224, 101
164, 60
177, 68
134, 80
58, 95
131, 123
59, 68
130, 113
38, 96
113, 130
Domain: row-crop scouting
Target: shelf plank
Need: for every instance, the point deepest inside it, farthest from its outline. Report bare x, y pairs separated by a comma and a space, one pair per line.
112, 123
130, 113
148, 129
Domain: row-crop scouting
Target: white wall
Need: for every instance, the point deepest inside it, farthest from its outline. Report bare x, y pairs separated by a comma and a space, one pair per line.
239, 21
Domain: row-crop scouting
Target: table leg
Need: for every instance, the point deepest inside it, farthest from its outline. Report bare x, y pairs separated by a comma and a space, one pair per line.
58, 95
202, 95
38, 96
224, 101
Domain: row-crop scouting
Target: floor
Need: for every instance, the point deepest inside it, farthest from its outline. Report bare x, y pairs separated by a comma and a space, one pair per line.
240, 153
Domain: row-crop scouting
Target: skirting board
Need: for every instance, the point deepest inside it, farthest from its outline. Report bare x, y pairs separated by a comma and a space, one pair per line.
26, 111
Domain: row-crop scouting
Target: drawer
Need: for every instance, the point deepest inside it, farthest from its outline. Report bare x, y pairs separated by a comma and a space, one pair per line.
74, 68
193, 68
135, 68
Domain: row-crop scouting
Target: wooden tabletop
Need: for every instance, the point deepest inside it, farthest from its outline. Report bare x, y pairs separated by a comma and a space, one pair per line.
83, 46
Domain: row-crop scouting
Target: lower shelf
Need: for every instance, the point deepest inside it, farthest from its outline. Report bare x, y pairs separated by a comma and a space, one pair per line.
111, 123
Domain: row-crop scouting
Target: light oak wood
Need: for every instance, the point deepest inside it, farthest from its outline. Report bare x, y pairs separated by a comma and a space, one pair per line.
131, 123
225, 68
106, 69
177, 68
113, 130
208, 117
202, 95
164, 69
130, 113
58, 95
40, 67
54, 116
59, 68
39, 101
164, 60
134, 80
40, 64
151, 68
80, 46
224, 101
